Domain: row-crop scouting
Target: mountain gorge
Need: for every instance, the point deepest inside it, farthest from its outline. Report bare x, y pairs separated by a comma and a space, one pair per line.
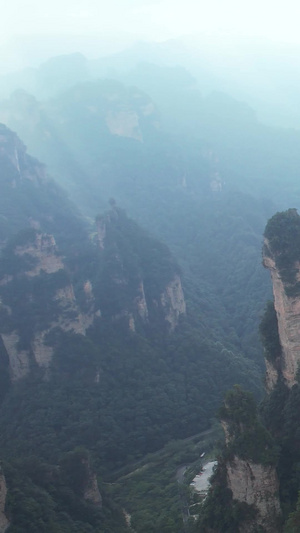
131, 290
105, 352
195, 194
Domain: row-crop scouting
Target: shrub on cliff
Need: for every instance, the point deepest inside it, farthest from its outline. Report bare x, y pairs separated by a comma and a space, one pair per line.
283, 235
248, 438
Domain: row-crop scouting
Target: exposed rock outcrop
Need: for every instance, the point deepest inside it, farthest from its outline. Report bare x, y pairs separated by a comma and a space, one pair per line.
37, 269
173, 302
256, 485
4, 523
288, 316
141, 303
91, 491
272, 375
13, 152
133, 274
248, 467
67, 315
19, 360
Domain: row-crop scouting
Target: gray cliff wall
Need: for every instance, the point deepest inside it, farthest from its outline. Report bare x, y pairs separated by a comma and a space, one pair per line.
256, 485
288, 316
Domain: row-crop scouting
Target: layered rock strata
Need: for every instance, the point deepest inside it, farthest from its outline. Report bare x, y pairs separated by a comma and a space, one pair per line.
256, 485
288, 316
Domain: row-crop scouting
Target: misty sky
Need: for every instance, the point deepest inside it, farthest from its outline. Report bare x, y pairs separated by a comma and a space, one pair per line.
122, 21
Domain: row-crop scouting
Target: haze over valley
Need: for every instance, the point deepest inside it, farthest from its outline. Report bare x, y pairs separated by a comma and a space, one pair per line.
150, 267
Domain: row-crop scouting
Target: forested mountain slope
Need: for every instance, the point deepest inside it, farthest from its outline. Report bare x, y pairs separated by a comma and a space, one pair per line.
107, 353
257, 480
104, 139
113, 340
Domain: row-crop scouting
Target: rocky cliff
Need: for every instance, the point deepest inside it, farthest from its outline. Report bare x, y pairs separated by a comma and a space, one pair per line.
46, 282
281, 257
257, 486
245, 485
3, 491
250, 463
172, 300
44, 291
36, 292
13, 154
91, 491
142, 274
288, 315
121, 111
30, 198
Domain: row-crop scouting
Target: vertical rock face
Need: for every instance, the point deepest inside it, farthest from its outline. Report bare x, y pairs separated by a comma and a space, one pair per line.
131, 277
13, 153
42, 264
19, 360
272, 375
77, 473
256, 485
288, 315
91, 491
130, 289
134, 273
248, 468
173, 302
3, 491
141, 303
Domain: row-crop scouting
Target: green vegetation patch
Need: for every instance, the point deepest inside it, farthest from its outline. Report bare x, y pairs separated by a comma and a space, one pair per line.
219, 511
283, 234
154, 493
269, 333
249, 439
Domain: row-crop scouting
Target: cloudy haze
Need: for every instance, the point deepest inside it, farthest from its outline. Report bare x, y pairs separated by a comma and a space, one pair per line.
35, 30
